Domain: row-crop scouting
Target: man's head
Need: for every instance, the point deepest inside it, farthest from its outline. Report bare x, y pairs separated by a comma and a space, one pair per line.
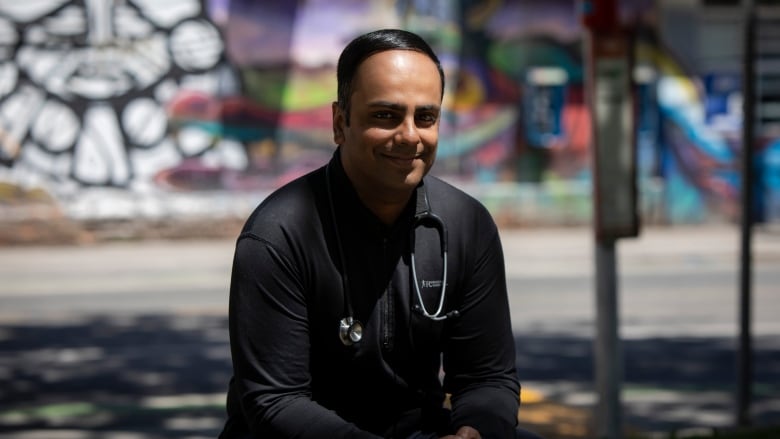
368, 44
386, 119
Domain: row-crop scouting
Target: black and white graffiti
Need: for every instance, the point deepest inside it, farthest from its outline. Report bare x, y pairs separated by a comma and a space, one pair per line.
84, 85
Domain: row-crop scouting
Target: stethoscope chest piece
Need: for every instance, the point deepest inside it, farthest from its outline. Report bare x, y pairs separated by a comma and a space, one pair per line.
350, 331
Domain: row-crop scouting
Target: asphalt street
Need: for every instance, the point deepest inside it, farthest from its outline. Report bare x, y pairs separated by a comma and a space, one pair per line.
129, 339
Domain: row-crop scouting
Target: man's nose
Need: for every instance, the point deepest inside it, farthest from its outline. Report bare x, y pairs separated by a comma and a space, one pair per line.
407, 133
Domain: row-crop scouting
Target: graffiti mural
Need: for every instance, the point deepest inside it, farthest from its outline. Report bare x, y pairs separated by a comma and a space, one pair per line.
86, 82
160, 104
185, 95
285, 53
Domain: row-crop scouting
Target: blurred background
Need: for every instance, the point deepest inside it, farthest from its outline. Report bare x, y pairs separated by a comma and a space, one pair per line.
157, 111
137, 135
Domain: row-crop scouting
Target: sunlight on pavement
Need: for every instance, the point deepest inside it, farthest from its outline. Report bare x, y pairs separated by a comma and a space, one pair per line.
179, 401
555, 420
552, 419
190, 423
531, 396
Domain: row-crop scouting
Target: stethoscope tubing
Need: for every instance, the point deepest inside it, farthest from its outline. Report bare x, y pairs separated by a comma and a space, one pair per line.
351, 329
441, 229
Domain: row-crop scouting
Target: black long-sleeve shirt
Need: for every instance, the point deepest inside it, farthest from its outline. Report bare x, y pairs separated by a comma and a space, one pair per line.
293, 377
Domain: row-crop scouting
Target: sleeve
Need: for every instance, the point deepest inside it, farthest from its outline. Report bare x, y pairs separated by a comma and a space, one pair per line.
269, 343
479, 354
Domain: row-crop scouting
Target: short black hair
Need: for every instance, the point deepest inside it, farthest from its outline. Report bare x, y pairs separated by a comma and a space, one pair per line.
368, 44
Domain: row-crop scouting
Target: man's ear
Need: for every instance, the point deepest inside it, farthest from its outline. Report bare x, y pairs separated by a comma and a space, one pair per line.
339, 122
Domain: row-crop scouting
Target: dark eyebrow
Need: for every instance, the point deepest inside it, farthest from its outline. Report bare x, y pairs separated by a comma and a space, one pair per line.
387, 104
399, 107
435, 108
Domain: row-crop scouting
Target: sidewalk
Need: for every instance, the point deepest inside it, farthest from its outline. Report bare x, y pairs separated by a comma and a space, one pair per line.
678, 294
128, 340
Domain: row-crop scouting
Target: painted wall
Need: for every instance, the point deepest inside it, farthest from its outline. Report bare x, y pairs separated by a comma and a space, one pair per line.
170, 109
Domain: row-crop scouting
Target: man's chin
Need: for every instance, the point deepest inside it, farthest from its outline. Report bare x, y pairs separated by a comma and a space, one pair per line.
413, 179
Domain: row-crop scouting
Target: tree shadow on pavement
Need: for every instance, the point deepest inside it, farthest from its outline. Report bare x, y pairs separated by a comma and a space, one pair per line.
669, 384
165, 376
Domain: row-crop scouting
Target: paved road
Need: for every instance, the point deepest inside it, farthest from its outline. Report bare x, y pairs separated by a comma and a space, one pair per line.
131, 337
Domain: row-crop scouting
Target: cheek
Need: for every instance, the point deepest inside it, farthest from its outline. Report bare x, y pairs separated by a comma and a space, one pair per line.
430, 138
376, 135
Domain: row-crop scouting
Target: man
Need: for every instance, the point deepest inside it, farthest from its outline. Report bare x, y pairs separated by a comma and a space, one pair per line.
365, 292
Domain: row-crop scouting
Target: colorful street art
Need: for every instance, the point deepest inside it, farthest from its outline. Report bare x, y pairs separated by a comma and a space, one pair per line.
141, 99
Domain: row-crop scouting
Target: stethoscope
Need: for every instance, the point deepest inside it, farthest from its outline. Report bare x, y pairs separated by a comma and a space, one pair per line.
351, 329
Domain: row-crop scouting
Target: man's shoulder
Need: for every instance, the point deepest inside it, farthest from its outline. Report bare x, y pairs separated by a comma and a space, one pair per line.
439, 188
289, 206
456, 205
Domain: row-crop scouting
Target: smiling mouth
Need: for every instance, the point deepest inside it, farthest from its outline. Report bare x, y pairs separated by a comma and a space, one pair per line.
404, 161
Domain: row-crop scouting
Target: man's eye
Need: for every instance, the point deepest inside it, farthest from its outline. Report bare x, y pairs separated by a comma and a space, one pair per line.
427, 118
383, 115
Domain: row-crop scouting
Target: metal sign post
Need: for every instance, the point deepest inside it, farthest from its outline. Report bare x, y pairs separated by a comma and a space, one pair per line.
608, 51
745, 352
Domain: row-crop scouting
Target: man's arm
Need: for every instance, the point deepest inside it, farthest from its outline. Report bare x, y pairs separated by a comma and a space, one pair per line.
479, 355
269, 339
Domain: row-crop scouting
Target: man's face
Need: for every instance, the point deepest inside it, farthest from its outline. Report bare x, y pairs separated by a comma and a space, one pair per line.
390, 142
